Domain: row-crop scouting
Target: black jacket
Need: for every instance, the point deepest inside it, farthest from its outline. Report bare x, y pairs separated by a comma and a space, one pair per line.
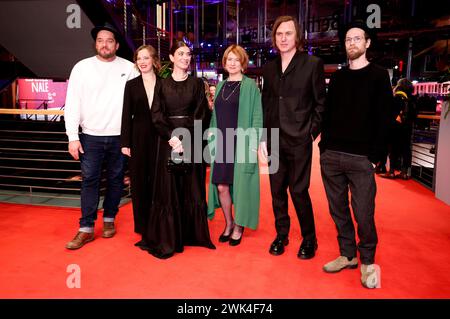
136, 114
294, 100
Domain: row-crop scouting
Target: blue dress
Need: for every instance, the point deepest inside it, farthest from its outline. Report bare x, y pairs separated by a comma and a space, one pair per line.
226, 106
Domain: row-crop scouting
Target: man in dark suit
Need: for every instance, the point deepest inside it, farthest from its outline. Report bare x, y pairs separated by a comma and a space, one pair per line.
293, 102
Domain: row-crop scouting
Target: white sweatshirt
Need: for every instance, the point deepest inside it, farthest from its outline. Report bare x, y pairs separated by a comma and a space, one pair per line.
94, 98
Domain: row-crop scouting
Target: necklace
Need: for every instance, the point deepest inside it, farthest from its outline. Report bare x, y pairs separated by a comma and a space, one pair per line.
235, 87
181, 79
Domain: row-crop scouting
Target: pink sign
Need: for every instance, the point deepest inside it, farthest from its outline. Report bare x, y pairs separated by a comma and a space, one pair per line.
42, 94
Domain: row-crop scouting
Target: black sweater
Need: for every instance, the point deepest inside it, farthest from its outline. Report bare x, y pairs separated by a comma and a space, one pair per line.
357, 112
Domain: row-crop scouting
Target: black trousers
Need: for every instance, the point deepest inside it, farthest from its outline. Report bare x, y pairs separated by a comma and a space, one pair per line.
342, 172
294, 172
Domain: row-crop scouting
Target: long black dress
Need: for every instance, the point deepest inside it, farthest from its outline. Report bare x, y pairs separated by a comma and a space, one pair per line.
179, 212
139, 134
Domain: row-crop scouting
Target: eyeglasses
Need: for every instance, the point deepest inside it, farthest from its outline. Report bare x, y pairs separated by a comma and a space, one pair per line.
355, 40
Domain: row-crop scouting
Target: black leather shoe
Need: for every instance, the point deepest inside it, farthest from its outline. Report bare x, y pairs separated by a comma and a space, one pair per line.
403, 176
224, 238
307, 249
277, 247
389, 175
235, 242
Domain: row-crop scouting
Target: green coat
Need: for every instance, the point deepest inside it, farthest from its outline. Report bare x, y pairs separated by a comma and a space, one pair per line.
245, 188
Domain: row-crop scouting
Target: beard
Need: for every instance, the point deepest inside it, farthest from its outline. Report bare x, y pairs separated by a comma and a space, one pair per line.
106, 54
354, 54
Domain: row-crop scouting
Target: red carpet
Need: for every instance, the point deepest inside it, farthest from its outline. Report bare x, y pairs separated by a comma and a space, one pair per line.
413, 252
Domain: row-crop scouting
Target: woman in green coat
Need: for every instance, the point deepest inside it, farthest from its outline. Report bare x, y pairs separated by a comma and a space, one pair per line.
233, 140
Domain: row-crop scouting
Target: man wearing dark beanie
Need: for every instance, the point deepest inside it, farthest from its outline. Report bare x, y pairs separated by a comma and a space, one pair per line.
353, 139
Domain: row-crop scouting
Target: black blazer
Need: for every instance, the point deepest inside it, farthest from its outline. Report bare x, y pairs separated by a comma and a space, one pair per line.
136, 114
294, 101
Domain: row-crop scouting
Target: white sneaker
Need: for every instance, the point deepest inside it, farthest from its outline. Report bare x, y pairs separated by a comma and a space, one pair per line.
369, 276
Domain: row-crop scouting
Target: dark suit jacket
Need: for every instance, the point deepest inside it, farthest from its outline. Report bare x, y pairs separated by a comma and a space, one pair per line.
294, 101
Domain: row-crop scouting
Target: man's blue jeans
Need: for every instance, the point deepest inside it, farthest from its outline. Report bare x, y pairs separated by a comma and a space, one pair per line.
99, 149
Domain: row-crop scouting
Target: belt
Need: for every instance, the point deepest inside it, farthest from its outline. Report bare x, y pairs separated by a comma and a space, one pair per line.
179, 117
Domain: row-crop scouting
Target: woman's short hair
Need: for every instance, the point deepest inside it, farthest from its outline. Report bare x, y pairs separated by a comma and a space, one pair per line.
298, 31
153, 54
239, 52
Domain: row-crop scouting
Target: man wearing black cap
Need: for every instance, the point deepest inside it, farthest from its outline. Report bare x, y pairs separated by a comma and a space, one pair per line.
352, 142
94, 101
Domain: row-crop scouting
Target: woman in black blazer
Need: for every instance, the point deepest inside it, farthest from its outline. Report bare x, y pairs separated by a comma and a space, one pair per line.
138, 135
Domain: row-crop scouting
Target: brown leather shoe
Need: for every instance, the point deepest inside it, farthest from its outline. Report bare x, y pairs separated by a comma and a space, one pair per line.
108, 229
79, 240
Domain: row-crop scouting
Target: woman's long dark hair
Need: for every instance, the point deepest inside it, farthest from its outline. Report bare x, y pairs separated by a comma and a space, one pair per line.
176, 45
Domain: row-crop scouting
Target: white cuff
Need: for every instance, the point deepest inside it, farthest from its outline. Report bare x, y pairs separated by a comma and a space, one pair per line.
73, 137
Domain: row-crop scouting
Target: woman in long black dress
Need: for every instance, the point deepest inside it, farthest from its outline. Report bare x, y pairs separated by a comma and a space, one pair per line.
138, 136
178, 215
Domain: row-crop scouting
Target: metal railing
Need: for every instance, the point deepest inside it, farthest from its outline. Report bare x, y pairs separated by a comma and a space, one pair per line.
42, 106
35, 166
136, 26
424, 150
